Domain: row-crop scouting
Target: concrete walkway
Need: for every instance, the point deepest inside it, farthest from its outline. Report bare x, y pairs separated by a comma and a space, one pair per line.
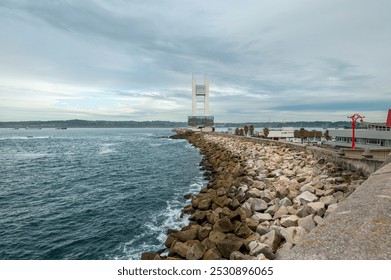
359, 229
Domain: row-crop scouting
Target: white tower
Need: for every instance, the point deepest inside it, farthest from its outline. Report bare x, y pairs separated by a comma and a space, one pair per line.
200, 107
200, 97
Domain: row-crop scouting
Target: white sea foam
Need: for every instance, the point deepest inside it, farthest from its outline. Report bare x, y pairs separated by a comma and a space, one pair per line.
107, 148
26, 155
170, 218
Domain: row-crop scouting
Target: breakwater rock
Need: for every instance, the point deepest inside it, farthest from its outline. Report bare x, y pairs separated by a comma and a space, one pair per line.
260, 201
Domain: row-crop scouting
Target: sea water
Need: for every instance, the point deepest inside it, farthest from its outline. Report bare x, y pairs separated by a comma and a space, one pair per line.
92, 193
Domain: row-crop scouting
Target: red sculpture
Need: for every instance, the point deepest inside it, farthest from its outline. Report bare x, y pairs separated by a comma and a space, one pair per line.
354, 118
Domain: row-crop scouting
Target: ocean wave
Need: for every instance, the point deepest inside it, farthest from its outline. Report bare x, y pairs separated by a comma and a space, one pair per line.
106, 148
156, 229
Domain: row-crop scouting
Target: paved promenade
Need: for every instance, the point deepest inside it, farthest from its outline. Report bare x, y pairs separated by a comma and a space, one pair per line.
360, 228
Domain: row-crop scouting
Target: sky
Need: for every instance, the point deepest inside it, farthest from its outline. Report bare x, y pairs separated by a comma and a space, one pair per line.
266, 60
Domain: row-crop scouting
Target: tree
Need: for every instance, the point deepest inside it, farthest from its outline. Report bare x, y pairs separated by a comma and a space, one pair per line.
302, 133
251, 130
265, 132
245, 129
327, 134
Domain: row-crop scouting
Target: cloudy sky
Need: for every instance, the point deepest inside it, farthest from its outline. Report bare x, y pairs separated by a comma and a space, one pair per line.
266, 60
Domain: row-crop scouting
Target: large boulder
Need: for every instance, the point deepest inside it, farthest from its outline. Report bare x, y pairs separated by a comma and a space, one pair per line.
257, 248
180, 249
224, 225
243, 231
204, 231
230, 244
305, 198
260, 217
185, 235
212, 254
212, 217
216, 236
196, 251
258, 205
272, 239
205, 203
289, 220
316, 208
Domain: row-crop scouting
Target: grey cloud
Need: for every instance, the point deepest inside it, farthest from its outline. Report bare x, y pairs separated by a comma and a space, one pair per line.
264, 55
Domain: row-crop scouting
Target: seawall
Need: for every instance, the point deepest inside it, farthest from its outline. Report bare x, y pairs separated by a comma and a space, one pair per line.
262, 200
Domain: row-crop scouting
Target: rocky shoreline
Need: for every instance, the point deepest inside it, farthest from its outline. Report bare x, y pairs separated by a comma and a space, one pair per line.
260, 201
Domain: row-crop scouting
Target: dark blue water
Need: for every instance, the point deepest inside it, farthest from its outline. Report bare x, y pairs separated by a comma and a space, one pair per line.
91, 193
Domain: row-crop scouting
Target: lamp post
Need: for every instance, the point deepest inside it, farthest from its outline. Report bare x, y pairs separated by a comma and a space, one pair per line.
354, 118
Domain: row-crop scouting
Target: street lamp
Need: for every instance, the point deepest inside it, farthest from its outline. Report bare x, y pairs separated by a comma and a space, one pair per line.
354, 118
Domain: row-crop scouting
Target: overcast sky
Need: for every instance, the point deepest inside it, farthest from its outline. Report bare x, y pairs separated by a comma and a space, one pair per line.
266, 60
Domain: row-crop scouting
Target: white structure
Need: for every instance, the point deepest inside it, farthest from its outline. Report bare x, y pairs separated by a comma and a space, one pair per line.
374, 135
200, 97
200, 118
281, 134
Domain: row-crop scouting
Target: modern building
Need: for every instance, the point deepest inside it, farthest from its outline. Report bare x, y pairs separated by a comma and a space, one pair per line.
374, 135
200, 118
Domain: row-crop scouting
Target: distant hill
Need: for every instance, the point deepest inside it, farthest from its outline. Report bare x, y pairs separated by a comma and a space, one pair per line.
162, 124
91, 124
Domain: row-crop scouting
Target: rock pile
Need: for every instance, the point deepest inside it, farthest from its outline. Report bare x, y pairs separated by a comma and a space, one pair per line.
261, 199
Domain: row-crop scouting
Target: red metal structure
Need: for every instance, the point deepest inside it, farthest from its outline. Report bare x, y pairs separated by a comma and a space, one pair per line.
354, 118
388, 123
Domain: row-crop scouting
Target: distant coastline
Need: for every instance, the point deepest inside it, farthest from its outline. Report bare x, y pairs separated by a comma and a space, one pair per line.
160, 124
